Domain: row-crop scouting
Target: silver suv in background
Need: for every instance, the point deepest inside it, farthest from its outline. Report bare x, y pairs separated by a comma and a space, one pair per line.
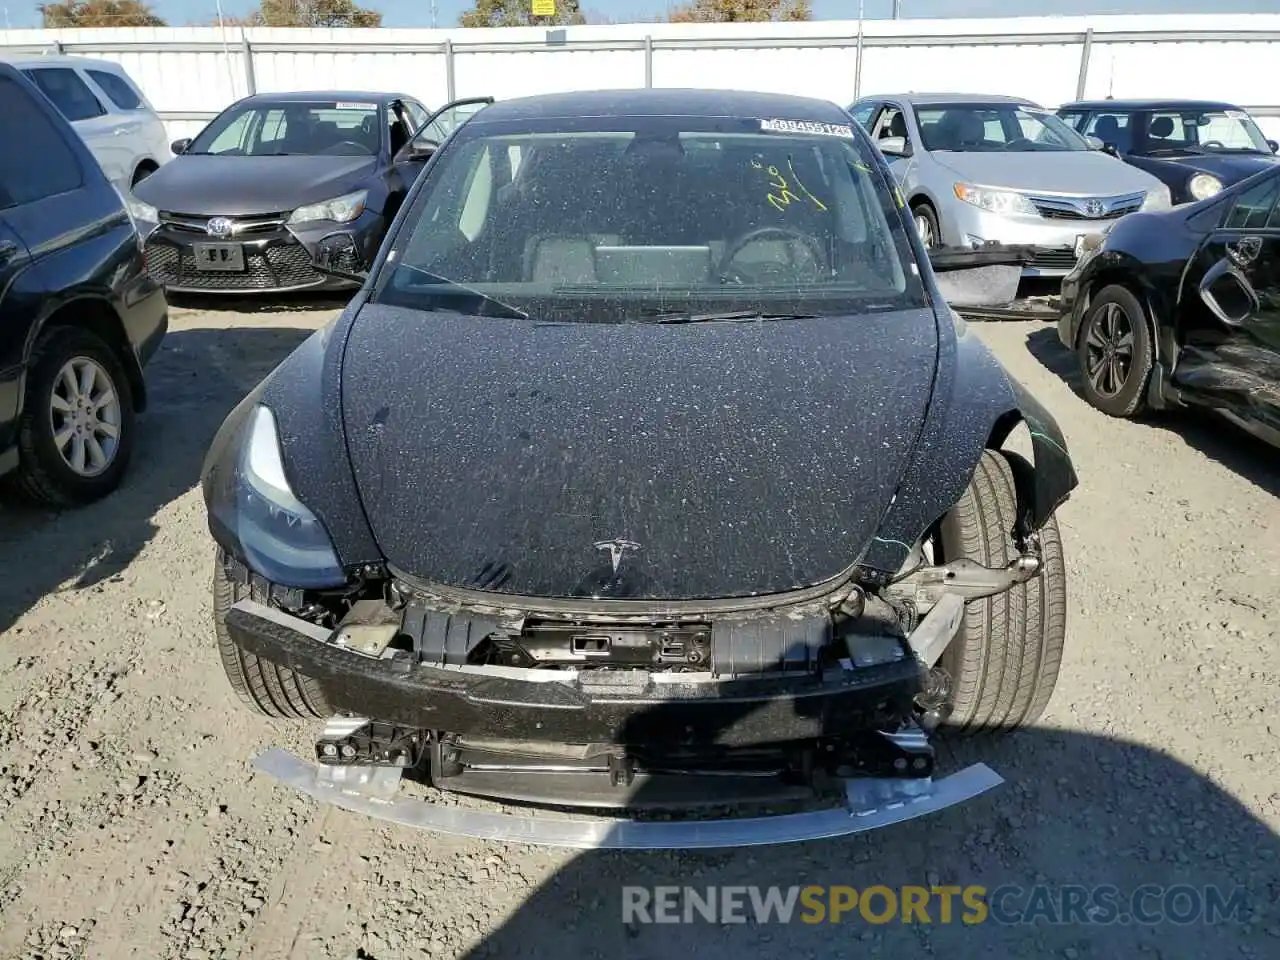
978, 168
107, 110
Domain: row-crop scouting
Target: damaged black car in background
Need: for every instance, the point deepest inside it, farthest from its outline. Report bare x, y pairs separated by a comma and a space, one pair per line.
1181, 309
245, 206
648, 469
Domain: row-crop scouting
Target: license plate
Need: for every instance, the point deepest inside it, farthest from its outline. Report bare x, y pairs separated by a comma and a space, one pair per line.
219, 256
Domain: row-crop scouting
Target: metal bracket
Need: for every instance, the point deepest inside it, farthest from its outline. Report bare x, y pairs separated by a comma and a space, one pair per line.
963, 578
936, 631
351, 743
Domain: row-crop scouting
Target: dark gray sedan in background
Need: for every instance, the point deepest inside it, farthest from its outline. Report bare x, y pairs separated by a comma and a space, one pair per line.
243, 205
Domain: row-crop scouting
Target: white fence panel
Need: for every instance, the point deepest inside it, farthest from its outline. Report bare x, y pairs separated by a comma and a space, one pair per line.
807, 71
191, 73
1243, 73
507, 75
1046, 73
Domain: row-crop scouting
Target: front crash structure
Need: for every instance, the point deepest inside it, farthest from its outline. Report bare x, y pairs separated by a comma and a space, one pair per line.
763, 710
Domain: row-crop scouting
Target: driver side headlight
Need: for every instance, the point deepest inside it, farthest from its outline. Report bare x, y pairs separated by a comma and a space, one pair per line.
1157, 199
255, 515
1202, 186
341, 209
997, 201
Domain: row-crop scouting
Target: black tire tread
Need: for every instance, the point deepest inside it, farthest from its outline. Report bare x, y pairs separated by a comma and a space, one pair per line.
264, 687
36, 478
1121, 406
1004, 662
933, 216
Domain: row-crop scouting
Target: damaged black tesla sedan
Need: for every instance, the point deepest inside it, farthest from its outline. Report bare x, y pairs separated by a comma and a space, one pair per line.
647, 469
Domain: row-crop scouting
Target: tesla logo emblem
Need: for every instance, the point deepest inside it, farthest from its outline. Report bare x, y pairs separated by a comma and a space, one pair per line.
617, 550
219, 227
1094, 208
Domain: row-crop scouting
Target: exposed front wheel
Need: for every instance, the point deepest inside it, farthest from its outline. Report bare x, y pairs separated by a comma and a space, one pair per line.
1003, 663
264, 687
75, 436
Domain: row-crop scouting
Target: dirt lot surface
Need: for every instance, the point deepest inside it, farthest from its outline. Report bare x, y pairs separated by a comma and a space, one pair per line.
130, 825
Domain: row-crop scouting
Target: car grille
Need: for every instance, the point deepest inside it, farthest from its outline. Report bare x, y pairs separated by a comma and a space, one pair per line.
1063, 259
274, 268
198, 223
1079, 208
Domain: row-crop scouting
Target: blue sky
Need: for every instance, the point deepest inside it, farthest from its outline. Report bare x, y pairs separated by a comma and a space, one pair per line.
417, 13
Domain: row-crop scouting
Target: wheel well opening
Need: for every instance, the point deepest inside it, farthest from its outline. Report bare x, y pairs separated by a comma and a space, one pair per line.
918, 200
1011, 437
144, 168
100, 319
1111, 278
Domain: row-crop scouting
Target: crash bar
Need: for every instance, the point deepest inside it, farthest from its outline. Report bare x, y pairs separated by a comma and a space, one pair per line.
869, 804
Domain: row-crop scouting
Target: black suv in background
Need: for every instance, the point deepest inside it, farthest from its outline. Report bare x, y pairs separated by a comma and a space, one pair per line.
79, 316
1196, 147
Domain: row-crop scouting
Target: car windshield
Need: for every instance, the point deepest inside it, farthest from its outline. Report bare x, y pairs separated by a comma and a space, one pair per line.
994, 127
1200, 131
322, 128
652, 219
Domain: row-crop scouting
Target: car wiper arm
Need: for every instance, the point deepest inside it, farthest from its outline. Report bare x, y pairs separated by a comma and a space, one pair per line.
480, 305
732, 316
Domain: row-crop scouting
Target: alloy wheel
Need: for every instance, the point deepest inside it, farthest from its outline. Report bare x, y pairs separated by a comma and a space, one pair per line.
85, 416
925, 228
1108, 357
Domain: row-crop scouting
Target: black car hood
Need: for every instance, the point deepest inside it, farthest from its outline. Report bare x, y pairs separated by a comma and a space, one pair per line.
239, 186
711, 460
1228, 167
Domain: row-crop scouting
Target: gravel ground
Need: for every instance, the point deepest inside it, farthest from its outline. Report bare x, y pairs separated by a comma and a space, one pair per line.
130, 825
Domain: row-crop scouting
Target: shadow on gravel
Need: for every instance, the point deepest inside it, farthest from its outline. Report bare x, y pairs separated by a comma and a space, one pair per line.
1221, 441
192, 383
247, 305
1092, 848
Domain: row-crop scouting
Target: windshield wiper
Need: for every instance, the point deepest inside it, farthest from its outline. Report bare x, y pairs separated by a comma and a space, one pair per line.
1168, 151
732, 316
463, 299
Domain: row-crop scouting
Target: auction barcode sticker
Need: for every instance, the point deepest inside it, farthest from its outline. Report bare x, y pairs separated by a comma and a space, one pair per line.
807, 126
351, 105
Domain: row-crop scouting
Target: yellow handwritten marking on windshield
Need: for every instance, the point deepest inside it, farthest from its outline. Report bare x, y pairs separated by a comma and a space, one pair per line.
784, 197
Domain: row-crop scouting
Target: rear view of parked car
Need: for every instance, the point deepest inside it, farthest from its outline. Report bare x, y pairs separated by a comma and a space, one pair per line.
976, 169
79, 316
108, 110
1196, 147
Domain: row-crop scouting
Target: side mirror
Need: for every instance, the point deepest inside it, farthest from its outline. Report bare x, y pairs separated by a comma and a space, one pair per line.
421, 149
1275, 147
1095, 143
180, 146
337, 256
894, 146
